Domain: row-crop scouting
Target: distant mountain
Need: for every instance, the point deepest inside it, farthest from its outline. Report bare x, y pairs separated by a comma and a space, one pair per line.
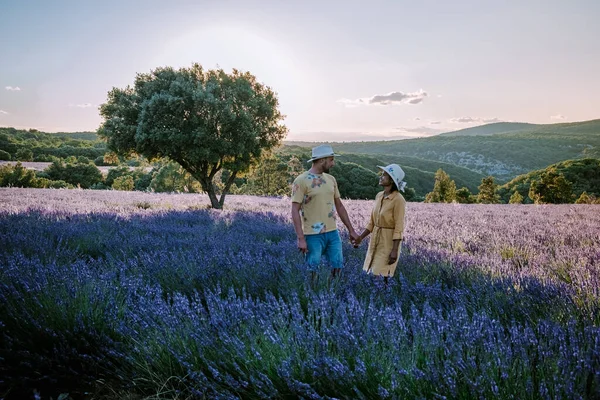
584, 175
503, 155
492, 129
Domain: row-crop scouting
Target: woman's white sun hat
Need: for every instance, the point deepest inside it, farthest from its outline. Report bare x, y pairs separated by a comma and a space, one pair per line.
396, 173
322, 151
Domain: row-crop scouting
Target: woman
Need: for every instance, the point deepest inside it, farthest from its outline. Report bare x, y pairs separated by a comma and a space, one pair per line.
386, 224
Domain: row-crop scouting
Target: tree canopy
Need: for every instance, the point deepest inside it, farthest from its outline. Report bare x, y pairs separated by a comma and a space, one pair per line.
444, 189
488, 191
206, 121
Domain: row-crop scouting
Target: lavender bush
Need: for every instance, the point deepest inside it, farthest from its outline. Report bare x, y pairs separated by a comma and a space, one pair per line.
130, 294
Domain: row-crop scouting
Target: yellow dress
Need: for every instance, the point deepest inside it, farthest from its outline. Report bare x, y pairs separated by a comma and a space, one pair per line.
386, 224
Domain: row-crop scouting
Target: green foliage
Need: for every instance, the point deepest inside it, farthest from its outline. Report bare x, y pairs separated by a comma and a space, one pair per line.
110, 158
84, 175
463, 195
488, 191
124, 183
115, 173
45, 158
584, 176
355, 181
444, 189
24, 154
294, 167
552, 188
205, 121
141, 179
5, 156
171, 177
516, 198
46, 183
45, 145
585, 199
100, 186
271, 177
17, 176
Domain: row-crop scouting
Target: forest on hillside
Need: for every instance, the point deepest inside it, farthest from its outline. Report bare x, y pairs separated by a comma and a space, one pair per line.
74, 158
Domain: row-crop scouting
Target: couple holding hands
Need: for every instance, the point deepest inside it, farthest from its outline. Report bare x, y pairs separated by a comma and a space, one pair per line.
316, 201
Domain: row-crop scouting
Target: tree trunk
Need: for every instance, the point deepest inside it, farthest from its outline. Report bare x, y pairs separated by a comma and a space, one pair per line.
212, 195
206, 181
209, 188
227, 187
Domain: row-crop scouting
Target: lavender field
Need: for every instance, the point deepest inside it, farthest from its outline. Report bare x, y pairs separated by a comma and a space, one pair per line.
107, 294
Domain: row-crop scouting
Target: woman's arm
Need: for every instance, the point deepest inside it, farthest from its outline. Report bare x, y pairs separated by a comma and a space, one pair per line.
394, 253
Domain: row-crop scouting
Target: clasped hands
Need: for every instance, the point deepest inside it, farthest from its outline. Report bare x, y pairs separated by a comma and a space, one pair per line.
355, 239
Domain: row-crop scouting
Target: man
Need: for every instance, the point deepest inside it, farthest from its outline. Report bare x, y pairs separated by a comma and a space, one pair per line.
315, 201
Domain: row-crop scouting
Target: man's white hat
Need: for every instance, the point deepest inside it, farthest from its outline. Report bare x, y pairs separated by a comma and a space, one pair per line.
396, 173
322, 151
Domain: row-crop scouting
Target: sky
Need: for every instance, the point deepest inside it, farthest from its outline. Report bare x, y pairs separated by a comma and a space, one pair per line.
343, 70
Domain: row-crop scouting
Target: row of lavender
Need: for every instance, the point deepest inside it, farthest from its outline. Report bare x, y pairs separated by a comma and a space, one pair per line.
158, 295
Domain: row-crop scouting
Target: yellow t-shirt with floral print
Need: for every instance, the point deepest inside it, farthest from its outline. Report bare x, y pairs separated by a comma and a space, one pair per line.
316, 194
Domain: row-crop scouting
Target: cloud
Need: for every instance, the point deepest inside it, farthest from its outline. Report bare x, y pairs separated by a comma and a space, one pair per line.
351, 103
387, 99
417, 119
435, 122
12, 88
83, 105
558, 117
470, 120
3, 112
399, 97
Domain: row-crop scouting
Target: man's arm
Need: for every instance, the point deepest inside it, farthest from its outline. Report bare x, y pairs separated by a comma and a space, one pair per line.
341, 210
298, 227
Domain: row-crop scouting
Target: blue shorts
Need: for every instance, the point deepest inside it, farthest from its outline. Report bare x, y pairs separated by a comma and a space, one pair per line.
328, 244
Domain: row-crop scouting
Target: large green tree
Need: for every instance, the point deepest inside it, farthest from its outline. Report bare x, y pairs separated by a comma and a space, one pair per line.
488, 191
444, 189
206, 121
551, 188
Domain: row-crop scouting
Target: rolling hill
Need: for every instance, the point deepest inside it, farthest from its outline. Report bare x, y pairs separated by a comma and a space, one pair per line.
583, 174
491, 129
501, 150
